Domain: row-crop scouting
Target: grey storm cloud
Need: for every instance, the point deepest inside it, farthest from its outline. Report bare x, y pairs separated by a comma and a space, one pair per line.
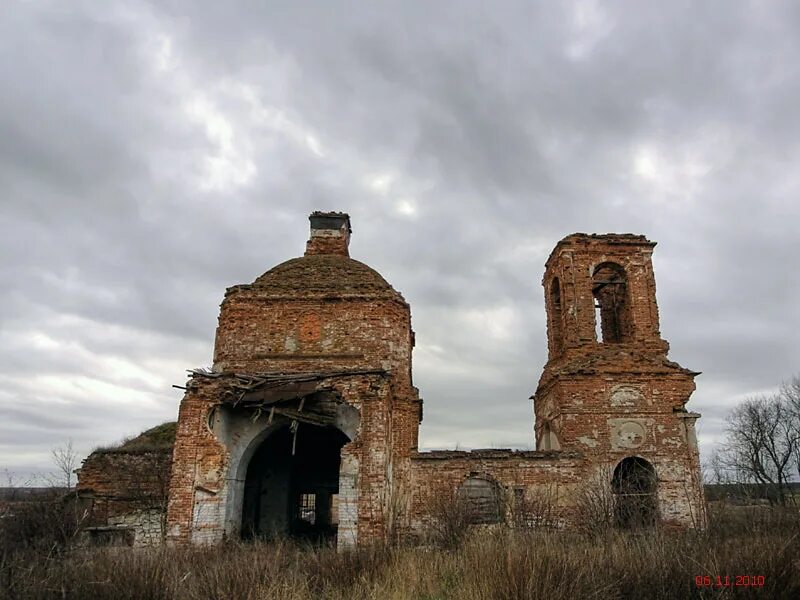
152, 154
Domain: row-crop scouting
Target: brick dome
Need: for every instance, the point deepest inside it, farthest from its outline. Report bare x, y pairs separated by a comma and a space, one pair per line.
326, 275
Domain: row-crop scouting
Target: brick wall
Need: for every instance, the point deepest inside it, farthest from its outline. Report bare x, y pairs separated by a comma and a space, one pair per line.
127, 488
439, 474
325, 313
321, 313
615, 399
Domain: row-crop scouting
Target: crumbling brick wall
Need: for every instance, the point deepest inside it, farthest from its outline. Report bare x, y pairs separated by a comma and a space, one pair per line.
608, 390
127, 487
322, 313
607, 394
554, 477
214, 442
601, 398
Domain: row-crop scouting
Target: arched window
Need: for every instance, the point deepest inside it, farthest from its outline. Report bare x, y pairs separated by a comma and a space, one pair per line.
481, 499
635, 498
612, 307
556, 321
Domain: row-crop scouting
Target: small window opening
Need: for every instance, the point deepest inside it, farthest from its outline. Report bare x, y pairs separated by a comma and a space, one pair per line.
308, 508
612, 311
598, 322
556, 320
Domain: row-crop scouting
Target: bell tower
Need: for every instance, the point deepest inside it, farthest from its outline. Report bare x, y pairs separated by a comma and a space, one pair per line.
600, 289
608, 389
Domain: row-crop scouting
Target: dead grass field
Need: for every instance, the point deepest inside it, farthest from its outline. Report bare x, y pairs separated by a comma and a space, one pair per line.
500, 563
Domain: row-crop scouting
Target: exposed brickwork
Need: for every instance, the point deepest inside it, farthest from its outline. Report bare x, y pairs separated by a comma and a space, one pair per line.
330, 234
327, 324
127, 488
614, 399
323, 312
438, 474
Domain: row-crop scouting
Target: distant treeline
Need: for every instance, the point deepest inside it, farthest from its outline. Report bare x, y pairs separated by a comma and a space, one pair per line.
748, 491
10, 494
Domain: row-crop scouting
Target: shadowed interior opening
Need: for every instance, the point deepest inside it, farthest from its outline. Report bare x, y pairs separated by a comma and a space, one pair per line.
634, 487
292, 484
556, 320
612, 311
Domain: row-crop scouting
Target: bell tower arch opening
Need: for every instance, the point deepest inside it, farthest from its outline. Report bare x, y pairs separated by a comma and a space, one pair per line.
292, 484
612, 306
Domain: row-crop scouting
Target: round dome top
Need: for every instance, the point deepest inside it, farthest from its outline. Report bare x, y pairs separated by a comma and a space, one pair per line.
324, 274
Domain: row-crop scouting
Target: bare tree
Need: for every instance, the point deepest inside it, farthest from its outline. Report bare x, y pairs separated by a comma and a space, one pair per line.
65, 459
762, 444
790, 392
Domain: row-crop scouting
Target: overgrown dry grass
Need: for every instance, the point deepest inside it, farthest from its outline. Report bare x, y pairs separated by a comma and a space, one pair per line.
500, 563
160, 438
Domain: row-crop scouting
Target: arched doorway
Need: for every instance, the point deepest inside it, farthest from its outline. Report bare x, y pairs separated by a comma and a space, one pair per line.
292, 484
635, 497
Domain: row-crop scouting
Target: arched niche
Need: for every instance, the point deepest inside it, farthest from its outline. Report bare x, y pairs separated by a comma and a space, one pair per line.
548, 440
480, 497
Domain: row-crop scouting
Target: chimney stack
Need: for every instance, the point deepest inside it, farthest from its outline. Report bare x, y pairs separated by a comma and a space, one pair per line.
330, 233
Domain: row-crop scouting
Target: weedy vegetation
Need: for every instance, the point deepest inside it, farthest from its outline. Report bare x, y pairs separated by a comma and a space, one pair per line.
39, 559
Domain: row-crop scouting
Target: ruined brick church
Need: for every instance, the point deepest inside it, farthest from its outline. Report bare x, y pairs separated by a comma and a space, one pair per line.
307, 424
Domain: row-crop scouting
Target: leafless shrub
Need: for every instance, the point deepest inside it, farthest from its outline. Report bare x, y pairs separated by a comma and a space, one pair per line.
594, 504
726, 519
34, 530
530, 564
450, 520
395, 514
533, 509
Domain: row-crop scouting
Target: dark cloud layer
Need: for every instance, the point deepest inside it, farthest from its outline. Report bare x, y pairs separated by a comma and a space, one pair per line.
152, 154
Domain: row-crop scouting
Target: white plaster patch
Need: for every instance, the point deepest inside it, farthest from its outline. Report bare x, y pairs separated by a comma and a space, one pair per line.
291, 343
625, 395
348, 501
147, 526
628, 433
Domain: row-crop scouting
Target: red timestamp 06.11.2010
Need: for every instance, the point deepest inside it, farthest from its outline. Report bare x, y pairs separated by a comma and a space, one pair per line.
724, 581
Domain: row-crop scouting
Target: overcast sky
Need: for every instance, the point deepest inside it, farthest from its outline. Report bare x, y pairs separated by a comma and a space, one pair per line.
152, 154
